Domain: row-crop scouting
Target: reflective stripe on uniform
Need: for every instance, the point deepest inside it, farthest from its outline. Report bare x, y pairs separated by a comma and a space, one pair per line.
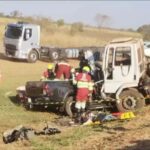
90, 85
80, 105
82, 84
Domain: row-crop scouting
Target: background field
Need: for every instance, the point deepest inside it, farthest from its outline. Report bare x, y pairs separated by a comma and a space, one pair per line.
115, 135
63, 36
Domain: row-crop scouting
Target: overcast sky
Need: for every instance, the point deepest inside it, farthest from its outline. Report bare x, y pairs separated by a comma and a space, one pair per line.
124, 14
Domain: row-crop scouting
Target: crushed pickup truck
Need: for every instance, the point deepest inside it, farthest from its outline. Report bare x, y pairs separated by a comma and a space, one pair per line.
46, 93
122, 81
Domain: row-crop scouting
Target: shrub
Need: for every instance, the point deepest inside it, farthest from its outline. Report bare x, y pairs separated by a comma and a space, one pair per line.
76, 27
60, 22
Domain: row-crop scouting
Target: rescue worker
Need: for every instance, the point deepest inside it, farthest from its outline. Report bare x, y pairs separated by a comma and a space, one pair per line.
83, 63
84, 90
48, 74
91, 61
63, 69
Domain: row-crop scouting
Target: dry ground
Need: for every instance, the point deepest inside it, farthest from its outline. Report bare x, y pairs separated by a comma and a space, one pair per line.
127, 135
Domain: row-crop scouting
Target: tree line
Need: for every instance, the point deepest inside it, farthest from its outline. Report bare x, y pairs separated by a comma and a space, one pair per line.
101, 21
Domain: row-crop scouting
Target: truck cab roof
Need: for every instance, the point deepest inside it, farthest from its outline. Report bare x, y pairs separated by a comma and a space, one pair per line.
22, 24
128, 40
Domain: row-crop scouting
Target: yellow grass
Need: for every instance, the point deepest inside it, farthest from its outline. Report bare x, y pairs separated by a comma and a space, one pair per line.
51, 34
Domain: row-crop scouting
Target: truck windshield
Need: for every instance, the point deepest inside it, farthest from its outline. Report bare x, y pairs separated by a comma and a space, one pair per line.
13, 32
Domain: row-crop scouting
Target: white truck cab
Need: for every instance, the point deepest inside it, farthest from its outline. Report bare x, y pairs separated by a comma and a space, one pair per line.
123, 64
22, 40
123, 68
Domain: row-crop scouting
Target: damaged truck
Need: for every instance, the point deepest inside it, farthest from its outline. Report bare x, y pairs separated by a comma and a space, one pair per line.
122, 81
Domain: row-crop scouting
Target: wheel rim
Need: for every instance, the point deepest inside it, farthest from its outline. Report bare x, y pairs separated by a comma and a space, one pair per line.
33, 57
55, 55
72, 106
129, 102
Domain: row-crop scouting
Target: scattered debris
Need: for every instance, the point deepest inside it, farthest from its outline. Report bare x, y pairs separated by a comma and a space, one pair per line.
94, 119
18, 133
23, 133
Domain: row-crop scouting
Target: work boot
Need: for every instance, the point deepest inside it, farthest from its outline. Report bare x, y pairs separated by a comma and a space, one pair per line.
78, 117
82, 115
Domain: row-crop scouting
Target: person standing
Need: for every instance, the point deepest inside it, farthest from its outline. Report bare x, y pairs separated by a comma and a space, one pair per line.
84, 90
91, 61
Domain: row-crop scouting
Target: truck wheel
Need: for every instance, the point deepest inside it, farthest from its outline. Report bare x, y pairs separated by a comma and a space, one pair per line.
33, 56
70, 106
54, 55
130, 100
28, 106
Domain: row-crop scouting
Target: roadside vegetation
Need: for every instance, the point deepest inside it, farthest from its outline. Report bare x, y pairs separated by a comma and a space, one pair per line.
68, 35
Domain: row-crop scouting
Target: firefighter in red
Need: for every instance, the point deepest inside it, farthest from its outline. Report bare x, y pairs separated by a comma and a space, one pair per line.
48, 74
84, 89
63, 69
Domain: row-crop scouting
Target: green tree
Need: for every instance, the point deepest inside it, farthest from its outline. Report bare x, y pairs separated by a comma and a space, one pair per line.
77, 27
145, 31
2, 14
102, 20
60, 22
16, 13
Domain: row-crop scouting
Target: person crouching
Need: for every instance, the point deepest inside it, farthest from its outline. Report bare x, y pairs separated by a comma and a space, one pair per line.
63, 69
48, 74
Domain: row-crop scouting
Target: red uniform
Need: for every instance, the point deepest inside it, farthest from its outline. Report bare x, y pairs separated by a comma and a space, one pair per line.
83, 86
64, 69
48, 75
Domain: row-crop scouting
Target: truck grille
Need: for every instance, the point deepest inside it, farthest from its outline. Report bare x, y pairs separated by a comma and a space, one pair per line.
10, 47
10, 52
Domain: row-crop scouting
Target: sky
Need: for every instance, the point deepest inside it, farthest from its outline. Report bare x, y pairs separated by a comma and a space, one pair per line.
123, 14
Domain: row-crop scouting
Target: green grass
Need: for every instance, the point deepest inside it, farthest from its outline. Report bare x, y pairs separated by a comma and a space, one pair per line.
65, 141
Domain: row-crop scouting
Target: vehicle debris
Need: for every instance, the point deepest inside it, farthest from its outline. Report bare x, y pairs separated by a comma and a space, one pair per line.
99, 118
23, 133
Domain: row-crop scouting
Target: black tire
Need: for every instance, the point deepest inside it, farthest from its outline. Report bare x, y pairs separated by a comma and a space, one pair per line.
33, 56
70, 106
28, 106
130, 100
54, 55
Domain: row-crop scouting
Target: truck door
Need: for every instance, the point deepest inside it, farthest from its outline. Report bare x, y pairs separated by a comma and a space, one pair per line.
118, 68
27, 40
123, 71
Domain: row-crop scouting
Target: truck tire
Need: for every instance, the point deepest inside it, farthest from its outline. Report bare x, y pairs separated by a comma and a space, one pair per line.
28, 106
54, 55
33, 56
130, 100
70, 106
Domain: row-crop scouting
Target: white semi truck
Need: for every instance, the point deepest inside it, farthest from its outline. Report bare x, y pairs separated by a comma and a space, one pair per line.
22, 41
